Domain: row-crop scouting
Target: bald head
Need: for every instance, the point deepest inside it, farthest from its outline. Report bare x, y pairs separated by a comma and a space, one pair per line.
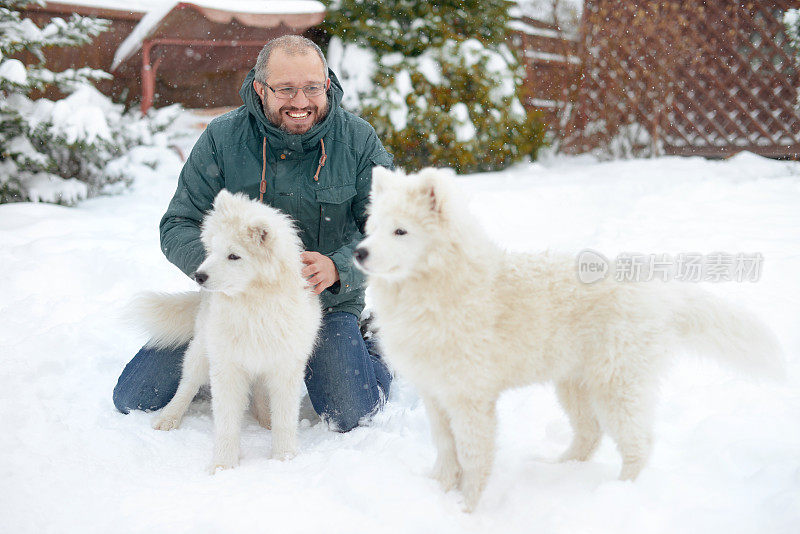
291, 45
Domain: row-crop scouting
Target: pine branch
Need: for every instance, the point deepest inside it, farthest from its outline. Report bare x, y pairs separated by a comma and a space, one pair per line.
66, 80
18, 34
20, 4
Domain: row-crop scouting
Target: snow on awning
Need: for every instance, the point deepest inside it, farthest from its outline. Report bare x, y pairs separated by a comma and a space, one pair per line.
295, 14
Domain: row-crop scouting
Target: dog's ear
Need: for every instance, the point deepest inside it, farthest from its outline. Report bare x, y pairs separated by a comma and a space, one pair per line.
259, 233
434, 184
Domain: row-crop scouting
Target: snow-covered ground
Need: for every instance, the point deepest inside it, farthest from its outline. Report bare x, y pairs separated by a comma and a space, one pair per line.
727, 454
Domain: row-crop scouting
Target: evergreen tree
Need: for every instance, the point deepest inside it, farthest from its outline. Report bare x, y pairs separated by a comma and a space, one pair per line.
59, 151
436, 80
792, 21
24, 161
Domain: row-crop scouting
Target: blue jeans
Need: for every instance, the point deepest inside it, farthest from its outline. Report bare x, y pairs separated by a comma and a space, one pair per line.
345, 377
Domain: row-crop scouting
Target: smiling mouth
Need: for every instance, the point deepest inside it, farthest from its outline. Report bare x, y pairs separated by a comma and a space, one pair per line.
299, 115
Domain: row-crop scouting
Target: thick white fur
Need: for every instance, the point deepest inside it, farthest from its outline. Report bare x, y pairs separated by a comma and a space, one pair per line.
254, 322
465, 320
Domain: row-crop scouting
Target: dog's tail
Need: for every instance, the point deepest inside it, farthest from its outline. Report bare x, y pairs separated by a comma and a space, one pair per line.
713, 327
169, 318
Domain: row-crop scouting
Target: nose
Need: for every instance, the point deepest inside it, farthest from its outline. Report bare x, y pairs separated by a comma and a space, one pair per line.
360, 254
300, 100
200, 277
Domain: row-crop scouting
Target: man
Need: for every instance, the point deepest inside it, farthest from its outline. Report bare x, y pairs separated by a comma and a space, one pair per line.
292, 146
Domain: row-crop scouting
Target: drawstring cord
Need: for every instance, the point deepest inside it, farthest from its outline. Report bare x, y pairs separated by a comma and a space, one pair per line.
263, 186
322, 160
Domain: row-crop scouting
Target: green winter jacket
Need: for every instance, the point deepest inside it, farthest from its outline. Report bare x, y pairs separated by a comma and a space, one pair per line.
330, 213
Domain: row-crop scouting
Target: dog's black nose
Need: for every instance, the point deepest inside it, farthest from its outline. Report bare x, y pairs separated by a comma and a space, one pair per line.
360, 254
200, 277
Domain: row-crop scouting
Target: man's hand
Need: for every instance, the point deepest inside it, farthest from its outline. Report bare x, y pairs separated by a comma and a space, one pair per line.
320, 271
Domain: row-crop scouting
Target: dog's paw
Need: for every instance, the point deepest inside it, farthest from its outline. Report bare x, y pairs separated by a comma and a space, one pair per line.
471, 486
579, 451
472, 494
166, 422
260, 410
448, 474
571, 456
284, 454
630, 470
263, 419
221, 465
226, 453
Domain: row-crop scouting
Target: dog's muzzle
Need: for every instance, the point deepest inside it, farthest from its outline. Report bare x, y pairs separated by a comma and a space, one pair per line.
360, 254
200, 277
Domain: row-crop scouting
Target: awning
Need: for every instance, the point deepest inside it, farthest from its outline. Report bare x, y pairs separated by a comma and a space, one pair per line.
204, 36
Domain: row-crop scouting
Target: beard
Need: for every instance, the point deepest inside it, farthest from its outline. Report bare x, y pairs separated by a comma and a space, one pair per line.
278, 118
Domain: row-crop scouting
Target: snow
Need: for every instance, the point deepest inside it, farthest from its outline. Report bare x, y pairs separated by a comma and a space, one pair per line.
464, 129
22, 145
141, 31
500, 66
239, 6
791, 19
355, 67
550, 57
726, 452
45, 187
566, 13
428, 66
82, 116
14, 71
518, 25
398, 114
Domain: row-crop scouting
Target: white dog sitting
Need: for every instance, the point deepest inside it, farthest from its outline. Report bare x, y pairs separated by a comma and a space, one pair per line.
465, 320
254, 321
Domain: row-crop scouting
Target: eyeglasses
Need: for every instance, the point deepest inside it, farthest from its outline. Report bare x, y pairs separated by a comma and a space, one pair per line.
288, 93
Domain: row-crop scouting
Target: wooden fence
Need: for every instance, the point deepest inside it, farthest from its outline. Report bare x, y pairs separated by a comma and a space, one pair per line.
708, 78
551, 67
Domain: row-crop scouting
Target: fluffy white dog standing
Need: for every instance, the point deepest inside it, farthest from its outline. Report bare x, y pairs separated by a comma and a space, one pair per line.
254, 322
465, 320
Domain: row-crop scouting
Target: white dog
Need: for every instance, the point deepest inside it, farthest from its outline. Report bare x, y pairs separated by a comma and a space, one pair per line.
254, 321
465, 320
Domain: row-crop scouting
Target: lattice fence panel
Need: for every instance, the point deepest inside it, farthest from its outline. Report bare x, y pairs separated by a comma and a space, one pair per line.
681, 77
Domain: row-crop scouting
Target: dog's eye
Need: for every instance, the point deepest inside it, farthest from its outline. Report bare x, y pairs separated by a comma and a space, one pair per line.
400, 231
233, 257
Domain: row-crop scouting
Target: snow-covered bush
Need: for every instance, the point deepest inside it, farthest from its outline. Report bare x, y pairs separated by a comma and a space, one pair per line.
59, 151
792, 21
436, 80
632, 140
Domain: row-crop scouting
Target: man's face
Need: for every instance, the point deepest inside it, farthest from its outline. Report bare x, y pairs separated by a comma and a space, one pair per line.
300, 113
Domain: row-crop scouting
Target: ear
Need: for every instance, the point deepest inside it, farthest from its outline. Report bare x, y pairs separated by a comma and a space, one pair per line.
259, 233
433, 188
259, 88
434, 198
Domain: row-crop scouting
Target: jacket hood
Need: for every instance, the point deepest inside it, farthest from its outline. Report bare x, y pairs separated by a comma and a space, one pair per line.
277, 137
